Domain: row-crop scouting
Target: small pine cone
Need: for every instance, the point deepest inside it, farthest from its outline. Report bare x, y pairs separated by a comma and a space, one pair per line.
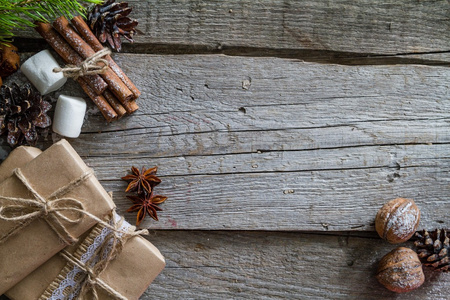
109, 21
23, 114
433, 249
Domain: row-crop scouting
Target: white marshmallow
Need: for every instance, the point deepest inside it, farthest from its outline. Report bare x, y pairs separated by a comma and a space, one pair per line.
39, 70
69, 116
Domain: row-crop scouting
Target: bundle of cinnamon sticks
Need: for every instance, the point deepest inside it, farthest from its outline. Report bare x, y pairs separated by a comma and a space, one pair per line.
113, 92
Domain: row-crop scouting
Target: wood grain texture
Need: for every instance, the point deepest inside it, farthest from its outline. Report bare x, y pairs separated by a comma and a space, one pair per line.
266, 145
277, 144
261, 265
377, 27
386, 27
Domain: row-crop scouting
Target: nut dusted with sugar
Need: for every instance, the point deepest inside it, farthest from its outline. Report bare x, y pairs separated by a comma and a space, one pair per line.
400, 270
397, 220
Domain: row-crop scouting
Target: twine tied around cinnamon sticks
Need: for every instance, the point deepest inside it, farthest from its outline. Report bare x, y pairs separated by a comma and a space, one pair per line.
110, 248
89, 66
112, 92
24, 211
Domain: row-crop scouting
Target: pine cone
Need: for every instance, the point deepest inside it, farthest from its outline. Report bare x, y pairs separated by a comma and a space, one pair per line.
109, 21
23, 114
433, 249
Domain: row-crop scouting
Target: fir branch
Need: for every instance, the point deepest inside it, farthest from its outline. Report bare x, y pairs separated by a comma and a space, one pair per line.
22, 13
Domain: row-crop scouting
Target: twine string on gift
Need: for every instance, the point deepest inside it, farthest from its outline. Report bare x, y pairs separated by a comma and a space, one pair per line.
50, 209
91, 278
89, 66
111, 247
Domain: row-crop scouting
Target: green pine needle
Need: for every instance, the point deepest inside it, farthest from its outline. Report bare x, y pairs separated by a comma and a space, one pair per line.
22, 13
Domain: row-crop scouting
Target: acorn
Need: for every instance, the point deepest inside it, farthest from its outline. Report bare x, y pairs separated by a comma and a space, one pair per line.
397, 220
400, 270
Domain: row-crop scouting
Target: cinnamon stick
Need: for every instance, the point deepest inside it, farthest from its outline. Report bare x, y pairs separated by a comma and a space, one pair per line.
112, 100
107, 111
116, 85
130, 106
84, 30
68, 54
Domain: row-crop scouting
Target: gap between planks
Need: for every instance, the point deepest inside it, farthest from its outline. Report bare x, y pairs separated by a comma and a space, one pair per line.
439, 58
345, 32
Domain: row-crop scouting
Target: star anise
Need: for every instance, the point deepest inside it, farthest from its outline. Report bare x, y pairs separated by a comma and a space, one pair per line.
141, 181
146, 204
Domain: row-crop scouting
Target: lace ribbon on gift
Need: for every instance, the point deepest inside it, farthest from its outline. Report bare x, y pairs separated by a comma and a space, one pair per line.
79, 279
23, 211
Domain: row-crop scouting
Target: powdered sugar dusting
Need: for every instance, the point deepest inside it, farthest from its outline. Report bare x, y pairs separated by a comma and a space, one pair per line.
401, 217
405, 220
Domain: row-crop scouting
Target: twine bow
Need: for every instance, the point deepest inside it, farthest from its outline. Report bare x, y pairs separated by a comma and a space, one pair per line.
24, 211
110, 248
88, 67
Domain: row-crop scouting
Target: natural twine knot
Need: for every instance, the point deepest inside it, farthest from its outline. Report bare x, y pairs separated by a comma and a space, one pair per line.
45, 209
88, 67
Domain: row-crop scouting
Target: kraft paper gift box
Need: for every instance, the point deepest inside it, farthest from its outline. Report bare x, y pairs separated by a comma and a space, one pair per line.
18, 158
35, 243
129, 274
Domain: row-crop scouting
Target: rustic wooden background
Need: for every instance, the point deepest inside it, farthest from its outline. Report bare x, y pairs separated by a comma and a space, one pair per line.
279, 129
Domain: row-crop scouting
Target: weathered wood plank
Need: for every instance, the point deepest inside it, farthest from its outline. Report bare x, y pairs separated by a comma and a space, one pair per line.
392, 157
203, 94
344, 26
315, 147
311, 200
193, 92
217, 143
381, 27
243, 265
265, 265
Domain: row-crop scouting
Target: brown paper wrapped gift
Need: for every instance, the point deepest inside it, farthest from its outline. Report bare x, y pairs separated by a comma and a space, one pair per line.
130, 273
18, 158
32, 245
